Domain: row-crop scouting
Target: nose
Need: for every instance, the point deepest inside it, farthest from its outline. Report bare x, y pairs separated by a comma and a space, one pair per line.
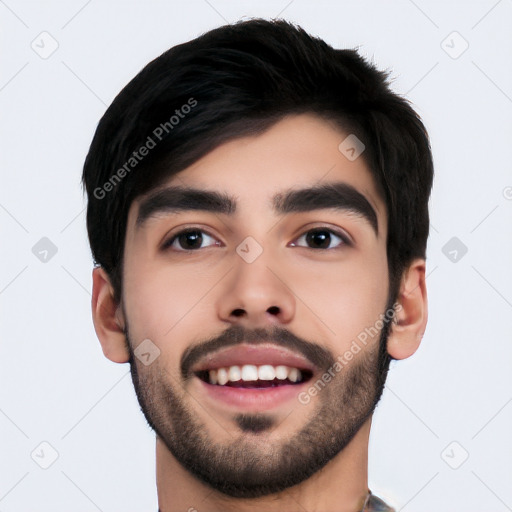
256, 294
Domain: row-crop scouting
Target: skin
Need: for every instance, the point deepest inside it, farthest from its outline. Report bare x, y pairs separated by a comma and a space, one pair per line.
326, 297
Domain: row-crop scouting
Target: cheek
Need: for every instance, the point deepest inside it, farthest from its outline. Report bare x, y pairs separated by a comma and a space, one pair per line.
161, 299
347, 298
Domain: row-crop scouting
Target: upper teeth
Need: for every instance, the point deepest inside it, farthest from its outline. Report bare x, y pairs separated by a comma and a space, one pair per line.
251, 372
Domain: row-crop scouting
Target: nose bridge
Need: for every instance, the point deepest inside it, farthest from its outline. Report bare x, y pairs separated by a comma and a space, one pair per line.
255, 292
252, 266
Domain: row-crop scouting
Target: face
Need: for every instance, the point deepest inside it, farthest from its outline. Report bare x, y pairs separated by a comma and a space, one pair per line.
249, 276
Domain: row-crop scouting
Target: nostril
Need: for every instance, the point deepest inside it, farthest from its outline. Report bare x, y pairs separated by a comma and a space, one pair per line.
273, 310
238, 312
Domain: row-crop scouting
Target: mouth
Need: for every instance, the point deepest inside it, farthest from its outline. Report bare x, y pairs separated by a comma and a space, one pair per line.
250, 376
254, 378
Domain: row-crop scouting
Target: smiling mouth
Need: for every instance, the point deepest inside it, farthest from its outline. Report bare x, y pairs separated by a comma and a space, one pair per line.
254, 377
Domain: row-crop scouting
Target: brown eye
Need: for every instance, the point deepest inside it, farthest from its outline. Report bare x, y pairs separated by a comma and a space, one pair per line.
188, 240
322, 238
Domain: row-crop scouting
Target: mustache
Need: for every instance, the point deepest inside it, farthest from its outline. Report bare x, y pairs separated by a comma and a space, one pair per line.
236, 334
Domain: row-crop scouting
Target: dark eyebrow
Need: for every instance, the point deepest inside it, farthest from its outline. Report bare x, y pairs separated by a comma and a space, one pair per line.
175, 199
338, 195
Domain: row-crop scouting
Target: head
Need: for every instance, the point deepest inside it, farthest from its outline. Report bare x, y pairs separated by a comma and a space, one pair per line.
256, 186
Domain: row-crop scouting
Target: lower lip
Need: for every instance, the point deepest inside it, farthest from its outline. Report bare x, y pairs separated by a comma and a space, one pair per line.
253, 399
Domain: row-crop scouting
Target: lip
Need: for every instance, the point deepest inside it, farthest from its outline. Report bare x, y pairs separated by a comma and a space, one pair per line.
257, 355
253, 399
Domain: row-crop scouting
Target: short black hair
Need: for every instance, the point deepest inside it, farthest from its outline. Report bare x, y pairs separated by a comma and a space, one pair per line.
238, 80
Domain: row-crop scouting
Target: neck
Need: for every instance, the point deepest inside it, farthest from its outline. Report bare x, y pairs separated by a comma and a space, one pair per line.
341, 486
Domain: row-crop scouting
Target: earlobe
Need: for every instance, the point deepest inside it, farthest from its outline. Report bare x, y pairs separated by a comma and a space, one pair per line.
108, 318
411, 313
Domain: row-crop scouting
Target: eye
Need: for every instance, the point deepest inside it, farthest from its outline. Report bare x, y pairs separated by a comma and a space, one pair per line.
190, 239
321, 238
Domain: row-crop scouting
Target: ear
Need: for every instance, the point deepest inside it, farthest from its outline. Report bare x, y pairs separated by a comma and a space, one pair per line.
108, 318
411, 313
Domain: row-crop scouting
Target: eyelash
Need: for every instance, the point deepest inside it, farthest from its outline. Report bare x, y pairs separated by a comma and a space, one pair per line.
342, 236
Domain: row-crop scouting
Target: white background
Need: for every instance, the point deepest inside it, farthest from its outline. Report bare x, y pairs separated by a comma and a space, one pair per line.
57, 387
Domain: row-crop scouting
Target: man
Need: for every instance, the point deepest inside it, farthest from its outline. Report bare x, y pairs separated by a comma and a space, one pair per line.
258, 214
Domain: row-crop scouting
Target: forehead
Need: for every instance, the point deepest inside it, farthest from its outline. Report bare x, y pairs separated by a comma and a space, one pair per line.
300, 151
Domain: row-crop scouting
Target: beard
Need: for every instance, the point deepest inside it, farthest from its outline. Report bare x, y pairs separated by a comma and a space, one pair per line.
247, 467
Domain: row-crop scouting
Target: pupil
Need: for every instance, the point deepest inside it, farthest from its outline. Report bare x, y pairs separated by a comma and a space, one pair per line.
191, 239
319, 238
